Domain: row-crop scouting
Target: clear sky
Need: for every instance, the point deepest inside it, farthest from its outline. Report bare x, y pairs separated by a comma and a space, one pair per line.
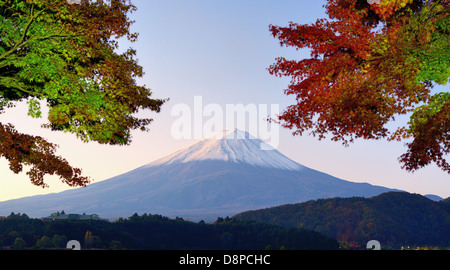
218, 50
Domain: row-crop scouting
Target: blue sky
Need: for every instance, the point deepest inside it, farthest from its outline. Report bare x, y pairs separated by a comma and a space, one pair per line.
219, 50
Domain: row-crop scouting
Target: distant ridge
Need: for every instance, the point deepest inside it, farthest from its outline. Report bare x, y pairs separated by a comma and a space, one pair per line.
433, 197
220, 176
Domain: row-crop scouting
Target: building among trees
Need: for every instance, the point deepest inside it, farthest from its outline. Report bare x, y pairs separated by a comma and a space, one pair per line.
64, 216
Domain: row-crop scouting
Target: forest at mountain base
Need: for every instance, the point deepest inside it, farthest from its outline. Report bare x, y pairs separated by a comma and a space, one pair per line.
156, 232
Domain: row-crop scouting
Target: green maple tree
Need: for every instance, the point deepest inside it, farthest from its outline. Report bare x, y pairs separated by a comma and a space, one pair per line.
65, 54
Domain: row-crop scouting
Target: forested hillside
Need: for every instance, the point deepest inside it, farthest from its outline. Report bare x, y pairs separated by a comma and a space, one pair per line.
395, 219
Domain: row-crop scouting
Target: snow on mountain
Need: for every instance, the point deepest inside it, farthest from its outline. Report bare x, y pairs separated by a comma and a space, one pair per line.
235, 146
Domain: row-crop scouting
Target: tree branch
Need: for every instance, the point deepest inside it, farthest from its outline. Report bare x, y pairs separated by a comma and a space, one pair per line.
22, 38
17, 87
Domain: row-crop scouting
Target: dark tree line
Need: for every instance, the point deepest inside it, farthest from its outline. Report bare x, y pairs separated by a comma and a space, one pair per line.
156, 232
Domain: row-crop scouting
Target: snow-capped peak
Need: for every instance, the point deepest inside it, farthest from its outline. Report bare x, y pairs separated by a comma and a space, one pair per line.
235, 146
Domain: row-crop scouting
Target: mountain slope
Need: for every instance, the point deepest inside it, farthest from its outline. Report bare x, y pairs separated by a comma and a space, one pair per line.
220, 176
394, 219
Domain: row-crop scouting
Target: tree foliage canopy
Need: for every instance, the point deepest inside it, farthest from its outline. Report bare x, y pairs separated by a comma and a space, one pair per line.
66, 55
370, 63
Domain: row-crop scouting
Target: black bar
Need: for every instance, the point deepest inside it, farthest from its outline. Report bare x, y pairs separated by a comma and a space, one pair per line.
213, 259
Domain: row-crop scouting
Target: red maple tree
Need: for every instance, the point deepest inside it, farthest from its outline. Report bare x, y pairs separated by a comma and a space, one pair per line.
370, 63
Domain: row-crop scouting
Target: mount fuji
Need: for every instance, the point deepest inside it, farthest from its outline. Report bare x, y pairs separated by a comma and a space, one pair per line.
223, 175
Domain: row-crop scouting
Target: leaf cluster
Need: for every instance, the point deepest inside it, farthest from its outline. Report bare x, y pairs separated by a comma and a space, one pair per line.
34, 151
